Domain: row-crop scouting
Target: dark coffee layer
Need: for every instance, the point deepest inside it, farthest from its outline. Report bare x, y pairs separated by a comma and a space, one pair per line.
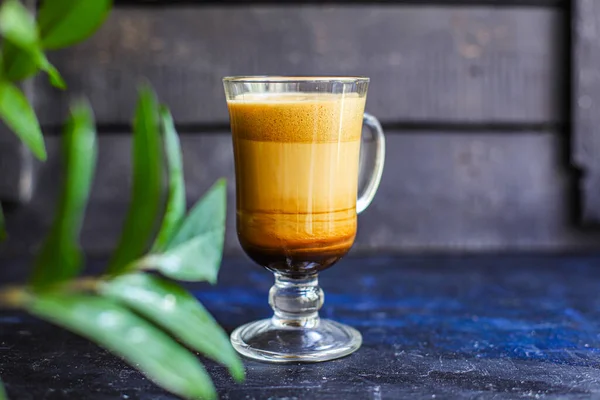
295, 263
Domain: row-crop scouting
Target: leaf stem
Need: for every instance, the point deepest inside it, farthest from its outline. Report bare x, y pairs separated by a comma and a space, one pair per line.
13, 296
16, 296
90, 283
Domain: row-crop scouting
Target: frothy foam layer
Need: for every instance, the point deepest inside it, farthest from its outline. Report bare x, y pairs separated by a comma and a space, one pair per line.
297, 117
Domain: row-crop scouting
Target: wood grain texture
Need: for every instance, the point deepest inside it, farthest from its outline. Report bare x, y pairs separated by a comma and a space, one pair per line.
496, 3
586, 105
433, 64
440, 192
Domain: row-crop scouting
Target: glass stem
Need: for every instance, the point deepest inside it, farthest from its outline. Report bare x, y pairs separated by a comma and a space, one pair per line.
296, 301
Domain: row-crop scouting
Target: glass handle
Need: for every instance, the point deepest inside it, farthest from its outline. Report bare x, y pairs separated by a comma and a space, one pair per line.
370, 188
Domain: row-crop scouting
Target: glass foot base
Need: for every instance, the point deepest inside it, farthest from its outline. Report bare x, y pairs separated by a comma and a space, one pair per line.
266, 341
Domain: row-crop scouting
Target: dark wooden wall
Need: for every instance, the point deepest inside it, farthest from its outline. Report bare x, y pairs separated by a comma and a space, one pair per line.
486, 106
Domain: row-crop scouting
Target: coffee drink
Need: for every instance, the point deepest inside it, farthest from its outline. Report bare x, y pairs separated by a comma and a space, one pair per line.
297, 160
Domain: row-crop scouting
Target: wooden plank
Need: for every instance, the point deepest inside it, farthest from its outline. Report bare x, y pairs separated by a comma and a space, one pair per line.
444, 64
495, 3
472, 192
586, 106
440, 192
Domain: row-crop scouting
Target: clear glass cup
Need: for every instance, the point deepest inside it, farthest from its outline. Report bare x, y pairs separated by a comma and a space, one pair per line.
298, 157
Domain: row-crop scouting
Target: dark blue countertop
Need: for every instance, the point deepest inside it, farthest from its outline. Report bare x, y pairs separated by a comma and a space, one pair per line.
433, 327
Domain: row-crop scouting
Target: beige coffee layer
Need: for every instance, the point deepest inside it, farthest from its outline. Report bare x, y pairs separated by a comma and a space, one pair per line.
297, 117
294, 194
296, 177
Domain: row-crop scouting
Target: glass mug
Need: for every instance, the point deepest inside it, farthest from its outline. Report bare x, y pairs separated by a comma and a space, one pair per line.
297, 147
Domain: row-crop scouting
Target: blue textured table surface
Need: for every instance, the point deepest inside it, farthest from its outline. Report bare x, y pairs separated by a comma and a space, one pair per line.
433, 327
